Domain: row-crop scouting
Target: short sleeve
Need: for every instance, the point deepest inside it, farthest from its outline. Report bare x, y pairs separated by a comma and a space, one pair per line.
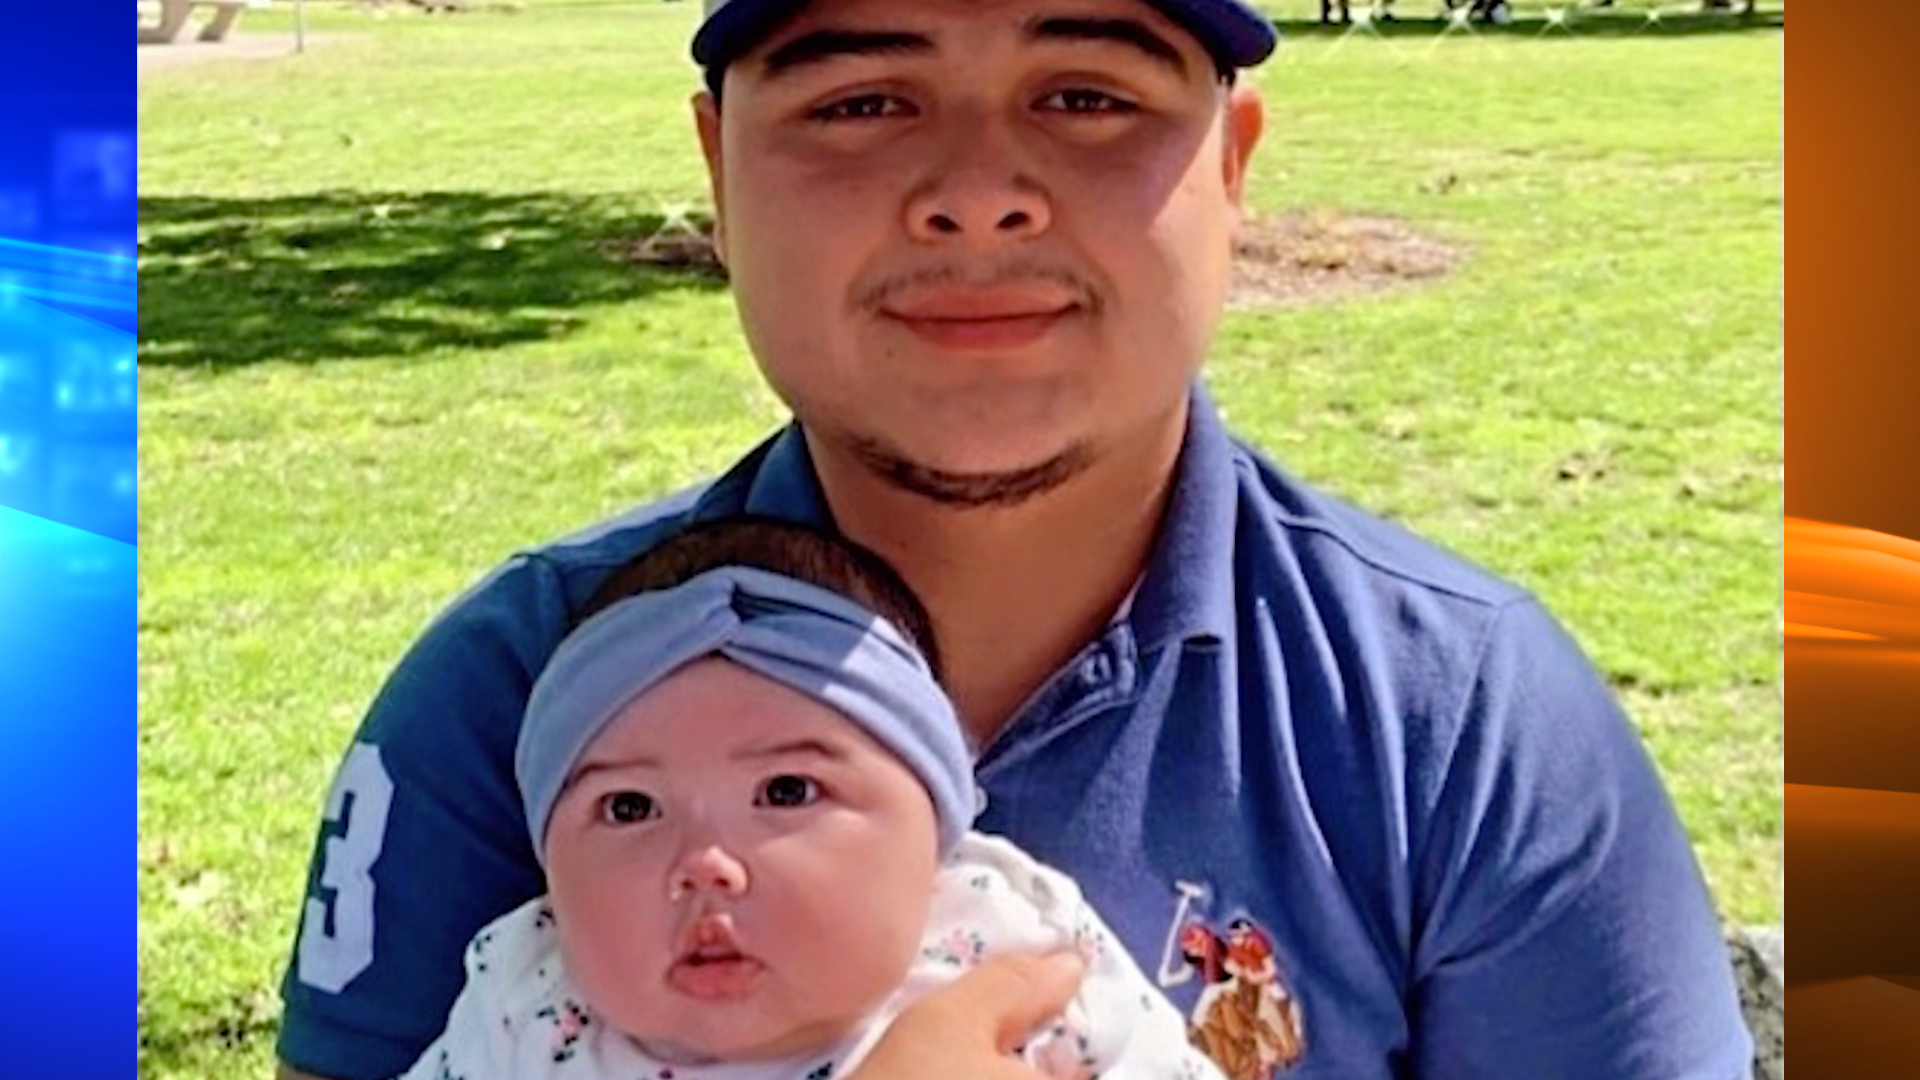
424, 798
1567, 930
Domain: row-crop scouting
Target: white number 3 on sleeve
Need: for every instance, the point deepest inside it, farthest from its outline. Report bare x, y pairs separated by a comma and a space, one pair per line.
334, 950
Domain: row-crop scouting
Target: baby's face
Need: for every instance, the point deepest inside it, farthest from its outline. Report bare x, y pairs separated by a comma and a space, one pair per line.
738, 870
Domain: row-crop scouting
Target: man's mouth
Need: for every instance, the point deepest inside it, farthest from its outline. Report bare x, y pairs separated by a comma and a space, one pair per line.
983, 321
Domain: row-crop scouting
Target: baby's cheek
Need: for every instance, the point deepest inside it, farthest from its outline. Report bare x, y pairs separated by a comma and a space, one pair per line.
613, 946
861, 948
868, 970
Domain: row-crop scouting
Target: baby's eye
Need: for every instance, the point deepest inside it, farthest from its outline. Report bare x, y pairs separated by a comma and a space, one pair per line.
787, 790
1084, 102
861, 107
627, 807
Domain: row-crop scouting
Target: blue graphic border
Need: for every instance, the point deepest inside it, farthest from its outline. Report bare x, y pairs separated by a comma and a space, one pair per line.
68, 499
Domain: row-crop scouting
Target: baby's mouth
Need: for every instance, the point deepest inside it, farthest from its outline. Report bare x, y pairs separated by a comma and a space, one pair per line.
701, 958
711, 964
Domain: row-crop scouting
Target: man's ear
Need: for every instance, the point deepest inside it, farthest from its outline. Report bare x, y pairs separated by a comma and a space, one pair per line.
1246, 119
706, 120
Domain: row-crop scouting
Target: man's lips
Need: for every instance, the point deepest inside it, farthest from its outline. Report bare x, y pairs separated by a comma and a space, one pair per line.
982, 320
981, 305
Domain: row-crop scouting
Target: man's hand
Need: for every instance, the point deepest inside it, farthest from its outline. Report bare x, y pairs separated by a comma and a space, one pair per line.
968, 1029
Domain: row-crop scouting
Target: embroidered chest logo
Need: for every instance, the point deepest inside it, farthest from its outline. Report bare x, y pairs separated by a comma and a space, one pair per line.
1246, 1018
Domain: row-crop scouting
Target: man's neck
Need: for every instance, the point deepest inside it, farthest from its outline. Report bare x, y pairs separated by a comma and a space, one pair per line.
1015, 592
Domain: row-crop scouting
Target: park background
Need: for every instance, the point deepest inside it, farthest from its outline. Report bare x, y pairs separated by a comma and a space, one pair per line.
391, 330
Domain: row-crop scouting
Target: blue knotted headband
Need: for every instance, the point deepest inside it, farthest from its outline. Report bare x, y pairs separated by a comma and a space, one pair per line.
804, 637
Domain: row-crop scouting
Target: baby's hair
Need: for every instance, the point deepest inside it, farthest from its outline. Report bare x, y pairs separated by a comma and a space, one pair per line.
820, 559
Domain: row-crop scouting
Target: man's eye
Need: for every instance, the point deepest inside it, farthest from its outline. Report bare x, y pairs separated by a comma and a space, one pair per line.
1086, 101
628, 807
861, 107
788, 790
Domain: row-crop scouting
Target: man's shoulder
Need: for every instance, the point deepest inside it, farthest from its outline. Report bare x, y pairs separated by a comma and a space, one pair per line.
584, 557
548, 581
1417, 639
479, 656
1333, 545
551, 579
511, 619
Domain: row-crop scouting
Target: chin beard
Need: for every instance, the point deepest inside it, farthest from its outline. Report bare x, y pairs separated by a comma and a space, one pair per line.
972, 491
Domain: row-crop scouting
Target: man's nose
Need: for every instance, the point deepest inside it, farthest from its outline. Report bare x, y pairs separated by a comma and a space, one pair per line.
707, 868
978, 194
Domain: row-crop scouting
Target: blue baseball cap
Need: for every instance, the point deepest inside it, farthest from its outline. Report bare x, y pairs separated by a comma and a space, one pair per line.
1232, 31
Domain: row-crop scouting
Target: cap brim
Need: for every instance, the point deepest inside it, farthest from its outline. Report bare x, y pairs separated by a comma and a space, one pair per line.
735, 29
1231, 31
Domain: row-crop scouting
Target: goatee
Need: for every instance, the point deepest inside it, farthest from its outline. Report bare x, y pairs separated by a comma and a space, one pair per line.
971, 491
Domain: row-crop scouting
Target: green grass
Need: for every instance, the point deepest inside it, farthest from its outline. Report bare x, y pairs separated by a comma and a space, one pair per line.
382, 346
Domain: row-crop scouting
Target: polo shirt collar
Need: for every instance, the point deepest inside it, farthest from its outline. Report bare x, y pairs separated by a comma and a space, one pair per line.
785, 486
1187, 593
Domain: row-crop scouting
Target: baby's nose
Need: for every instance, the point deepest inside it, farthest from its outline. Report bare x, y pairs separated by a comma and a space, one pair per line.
709, 868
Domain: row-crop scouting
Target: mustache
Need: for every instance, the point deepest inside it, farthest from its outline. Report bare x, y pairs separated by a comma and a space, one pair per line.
873, 296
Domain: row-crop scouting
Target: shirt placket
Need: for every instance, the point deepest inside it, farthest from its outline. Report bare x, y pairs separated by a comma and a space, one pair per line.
1100, 677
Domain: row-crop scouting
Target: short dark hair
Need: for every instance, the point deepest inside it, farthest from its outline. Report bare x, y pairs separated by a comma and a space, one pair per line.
824, 560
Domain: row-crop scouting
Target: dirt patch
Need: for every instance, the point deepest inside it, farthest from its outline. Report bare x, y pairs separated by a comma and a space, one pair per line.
686, 246
1290, 258
1296, 258
437, 7
188, 52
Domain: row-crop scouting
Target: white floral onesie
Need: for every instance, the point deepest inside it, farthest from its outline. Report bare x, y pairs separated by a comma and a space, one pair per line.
521, 1017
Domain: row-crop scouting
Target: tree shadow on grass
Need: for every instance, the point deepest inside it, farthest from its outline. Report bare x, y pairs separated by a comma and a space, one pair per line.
1420, 19
227, 282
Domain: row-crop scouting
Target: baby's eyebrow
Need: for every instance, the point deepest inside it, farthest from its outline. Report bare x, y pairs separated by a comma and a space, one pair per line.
592, 767
792, 748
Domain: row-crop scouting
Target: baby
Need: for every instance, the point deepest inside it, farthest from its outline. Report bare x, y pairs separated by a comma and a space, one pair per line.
752, 801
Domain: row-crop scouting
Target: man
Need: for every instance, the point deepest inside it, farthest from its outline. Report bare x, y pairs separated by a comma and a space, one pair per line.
980, 248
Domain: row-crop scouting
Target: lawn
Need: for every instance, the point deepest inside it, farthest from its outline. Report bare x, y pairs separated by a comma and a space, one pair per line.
383, 344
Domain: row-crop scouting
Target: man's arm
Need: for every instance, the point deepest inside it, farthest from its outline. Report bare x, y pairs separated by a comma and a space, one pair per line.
1569, 931
423, 839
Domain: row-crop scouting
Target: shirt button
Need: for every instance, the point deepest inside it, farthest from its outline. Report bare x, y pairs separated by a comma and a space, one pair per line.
1096, 670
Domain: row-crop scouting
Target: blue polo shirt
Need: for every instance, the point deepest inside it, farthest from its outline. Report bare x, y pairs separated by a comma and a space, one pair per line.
1319, 775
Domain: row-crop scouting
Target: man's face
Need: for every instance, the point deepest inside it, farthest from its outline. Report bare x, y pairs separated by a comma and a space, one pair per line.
979, 243
737, 870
